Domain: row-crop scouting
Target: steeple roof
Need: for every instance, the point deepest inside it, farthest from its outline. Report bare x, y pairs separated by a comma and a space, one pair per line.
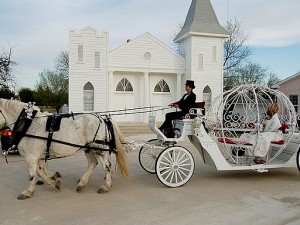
201, 19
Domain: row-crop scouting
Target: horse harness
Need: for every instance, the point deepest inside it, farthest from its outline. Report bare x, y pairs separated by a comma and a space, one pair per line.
53, 124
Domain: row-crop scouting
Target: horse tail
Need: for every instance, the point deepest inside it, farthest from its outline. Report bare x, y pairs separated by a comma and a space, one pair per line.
120, 155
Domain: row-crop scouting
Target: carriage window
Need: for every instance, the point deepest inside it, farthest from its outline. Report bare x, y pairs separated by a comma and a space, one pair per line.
80, 53
294, 100
124, 85
162, 86
88, 97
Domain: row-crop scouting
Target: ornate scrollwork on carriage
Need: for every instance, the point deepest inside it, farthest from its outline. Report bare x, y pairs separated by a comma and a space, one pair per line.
242, 110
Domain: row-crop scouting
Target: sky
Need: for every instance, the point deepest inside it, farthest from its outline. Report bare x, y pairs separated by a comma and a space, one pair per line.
38, 30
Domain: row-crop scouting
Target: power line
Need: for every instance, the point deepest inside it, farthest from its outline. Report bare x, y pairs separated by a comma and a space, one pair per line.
227, 10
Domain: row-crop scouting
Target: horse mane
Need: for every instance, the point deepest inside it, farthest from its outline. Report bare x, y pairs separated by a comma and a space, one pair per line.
11, 106
14, 106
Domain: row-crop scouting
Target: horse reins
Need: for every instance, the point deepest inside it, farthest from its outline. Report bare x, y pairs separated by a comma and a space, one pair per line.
67, 143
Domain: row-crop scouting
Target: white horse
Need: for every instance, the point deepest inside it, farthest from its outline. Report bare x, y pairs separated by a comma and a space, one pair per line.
79, 130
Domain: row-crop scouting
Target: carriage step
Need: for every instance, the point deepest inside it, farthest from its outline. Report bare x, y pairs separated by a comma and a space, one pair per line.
134, 128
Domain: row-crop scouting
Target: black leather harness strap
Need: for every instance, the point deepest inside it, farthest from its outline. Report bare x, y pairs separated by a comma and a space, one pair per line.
70, 144
110, 129
21, 126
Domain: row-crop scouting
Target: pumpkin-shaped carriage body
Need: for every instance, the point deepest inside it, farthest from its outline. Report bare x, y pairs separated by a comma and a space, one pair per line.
236, 121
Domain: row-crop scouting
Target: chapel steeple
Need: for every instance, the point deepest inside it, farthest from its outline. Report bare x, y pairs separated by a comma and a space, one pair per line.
201, 20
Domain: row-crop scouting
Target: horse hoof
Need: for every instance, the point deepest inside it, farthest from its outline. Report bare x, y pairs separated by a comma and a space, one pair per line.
57, 185
102, 191
39, 182
23, 197
79, 188
57, 175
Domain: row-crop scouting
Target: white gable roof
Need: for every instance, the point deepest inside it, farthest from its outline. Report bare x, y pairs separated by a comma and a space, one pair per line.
145, 53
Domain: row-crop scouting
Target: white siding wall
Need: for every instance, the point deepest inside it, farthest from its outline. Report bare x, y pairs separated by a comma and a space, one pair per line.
130, 56
82, 72
211, 74
186, 52
128, 61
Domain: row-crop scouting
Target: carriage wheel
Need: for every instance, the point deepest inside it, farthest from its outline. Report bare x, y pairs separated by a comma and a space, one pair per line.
175, 166
148, 155
298, 159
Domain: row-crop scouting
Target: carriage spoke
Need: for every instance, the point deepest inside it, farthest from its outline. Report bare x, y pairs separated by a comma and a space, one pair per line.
150, 163
177, 155
182, 173
165, 165
148, 155
173, 173
185, 169
187, 159
183, 155
165, 168
169, 158
170, 171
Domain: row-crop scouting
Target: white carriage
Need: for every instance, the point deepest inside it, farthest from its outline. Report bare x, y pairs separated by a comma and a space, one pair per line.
235, 112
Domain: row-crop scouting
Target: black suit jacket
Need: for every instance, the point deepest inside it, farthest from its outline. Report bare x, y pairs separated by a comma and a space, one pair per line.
186, 104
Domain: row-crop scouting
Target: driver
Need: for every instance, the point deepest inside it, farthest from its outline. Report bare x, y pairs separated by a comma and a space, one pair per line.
184, 104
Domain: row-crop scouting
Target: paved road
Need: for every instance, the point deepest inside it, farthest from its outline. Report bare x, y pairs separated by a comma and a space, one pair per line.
210, 197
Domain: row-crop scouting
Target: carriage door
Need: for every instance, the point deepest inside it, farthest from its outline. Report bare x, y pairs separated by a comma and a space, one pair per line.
123, 99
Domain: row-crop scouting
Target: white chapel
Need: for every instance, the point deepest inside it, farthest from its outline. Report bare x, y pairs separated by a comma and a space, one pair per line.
144, 71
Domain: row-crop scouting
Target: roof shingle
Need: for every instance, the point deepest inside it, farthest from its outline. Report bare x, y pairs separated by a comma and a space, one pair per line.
201, 18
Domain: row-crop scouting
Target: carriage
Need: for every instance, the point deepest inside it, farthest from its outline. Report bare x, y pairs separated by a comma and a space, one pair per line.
216, 136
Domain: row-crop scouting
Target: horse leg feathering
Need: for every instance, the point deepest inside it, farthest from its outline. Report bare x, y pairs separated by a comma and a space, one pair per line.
49, 177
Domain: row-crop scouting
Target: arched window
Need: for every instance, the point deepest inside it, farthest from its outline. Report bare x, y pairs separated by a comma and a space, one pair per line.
207, 96
162, 86
88, 97
124, 85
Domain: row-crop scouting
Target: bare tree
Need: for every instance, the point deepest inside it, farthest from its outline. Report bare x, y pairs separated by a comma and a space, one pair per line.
246, 74
235, 50
62, 63
252, 73
175, 32
272, 79
7, 79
